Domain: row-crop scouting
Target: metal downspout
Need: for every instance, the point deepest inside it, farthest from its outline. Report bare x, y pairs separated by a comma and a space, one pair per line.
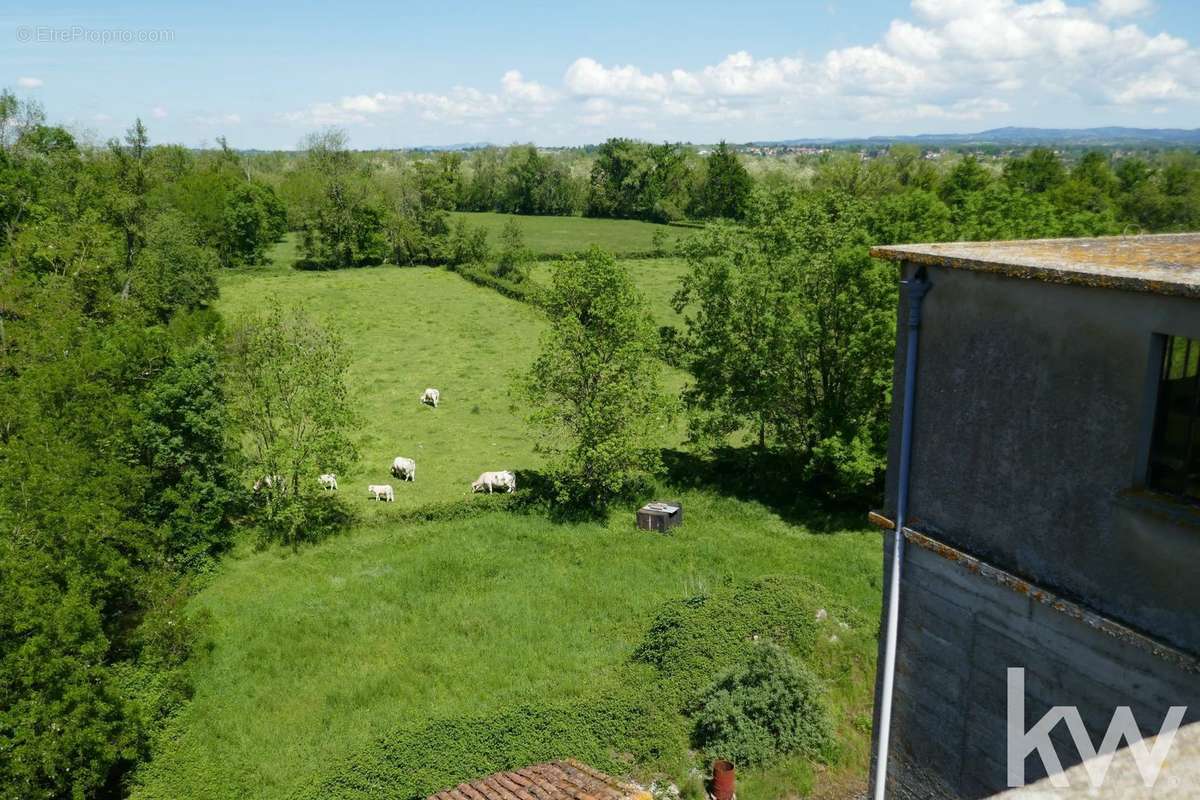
917, 286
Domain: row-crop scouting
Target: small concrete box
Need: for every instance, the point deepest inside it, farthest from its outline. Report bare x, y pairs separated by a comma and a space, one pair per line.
660, 515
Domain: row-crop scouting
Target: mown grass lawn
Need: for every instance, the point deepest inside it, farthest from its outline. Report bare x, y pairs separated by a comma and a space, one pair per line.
556, 235
313, 655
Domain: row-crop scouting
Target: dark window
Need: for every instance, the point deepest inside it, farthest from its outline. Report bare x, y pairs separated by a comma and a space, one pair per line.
1175, 452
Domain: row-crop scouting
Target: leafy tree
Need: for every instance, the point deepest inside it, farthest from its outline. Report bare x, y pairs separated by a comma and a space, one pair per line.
468, 244
514, 258
727, 185
634, 180
342, 225
967, 177
595, 384
789, 332
287, 391
848, 173
129, 203
1039, 171
173, 271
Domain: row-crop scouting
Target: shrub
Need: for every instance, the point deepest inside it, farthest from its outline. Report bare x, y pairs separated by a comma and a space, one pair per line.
767, 706
692, 640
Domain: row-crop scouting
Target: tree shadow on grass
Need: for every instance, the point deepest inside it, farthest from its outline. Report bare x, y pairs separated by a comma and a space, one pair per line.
772, 479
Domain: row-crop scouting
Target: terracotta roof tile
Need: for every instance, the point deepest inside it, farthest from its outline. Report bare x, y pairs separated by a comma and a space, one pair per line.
555, 780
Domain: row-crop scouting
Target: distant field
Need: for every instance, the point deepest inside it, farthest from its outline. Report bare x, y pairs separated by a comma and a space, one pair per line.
554, 235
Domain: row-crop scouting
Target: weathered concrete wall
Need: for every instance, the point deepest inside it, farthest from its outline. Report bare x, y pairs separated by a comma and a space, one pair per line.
1033, 416
959, 633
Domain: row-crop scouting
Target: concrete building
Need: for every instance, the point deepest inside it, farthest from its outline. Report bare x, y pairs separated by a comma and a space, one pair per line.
1052, 512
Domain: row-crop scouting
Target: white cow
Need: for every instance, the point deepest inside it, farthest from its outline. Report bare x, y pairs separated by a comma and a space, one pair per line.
495, 480
328, 481
382, 491
431, 397
404, 468
268, 482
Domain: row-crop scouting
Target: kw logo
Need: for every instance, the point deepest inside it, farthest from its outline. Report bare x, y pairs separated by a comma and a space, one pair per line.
1123, 726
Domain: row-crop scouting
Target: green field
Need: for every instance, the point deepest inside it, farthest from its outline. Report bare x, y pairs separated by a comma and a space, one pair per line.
409, 329
314, 655
555, 235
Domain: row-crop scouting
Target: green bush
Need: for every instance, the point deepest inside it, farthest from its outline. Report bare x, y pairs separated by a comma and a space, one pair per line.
768, 706
693, 640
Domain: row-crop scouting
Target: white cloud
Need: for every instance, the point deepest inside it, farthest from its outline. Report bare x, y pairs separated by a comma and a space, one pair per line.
1111, 9
950, 60
30, 83
159, 112
517, 98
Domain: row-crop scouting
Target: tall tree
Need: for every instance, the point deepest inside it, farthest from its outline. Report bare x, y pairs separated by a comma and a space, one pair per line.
727, 185
595, 384
790, 331
287, 386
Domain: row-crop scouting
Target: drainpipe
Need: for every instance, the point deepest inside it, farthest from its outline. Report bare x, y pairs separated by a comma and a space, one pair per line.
917, 286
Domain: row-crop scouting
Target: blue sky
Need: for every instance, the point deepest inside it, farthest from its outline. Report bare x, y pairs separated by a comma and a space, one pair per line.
395, 74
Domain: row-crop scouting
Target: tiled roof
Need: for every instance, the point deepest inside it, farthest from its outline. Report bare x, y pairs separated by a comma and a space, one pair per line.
557, 780
1167, 263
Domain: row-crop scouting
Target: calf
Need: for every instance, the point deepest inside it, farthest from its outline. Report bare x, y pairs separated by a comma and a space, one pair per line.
431, 397
404, 468
495, 480
382, 492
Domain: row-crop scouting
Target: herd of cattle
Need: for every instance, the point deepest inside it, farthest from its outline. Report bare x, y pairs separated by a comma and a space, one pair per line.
405, 469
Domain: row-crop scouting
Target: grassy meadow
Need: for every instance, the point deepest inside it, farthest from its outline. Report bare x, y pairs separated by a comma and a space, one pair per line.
557, 235
313, 655
408, 329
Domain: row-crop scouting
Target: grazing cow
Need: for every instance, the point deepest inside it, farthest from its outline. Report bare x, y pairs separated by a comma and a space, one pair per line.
383, 492
404, 468
493, 481
268, 482
328, 481
431, 397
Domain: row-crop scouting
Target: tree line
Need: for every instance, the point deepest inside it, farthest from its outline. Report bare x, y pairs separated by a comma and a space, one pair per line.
353, 209
125, 407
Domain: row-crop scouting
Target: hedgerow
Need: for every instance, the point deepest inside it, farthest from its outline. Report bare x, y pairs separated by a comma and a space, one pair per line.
523, 291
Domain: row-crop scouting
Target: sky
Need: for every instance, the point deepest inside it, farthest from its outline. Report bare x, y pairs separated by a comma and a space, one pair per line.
394, 74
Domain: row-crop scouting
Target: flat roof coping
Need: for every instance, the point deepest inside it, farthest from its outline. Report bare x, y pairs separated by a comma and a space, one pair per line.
1164, 263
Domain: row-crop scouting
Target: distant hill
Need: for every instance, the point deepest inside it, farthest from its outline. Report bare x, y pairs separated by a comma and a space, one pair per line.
1027, 137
